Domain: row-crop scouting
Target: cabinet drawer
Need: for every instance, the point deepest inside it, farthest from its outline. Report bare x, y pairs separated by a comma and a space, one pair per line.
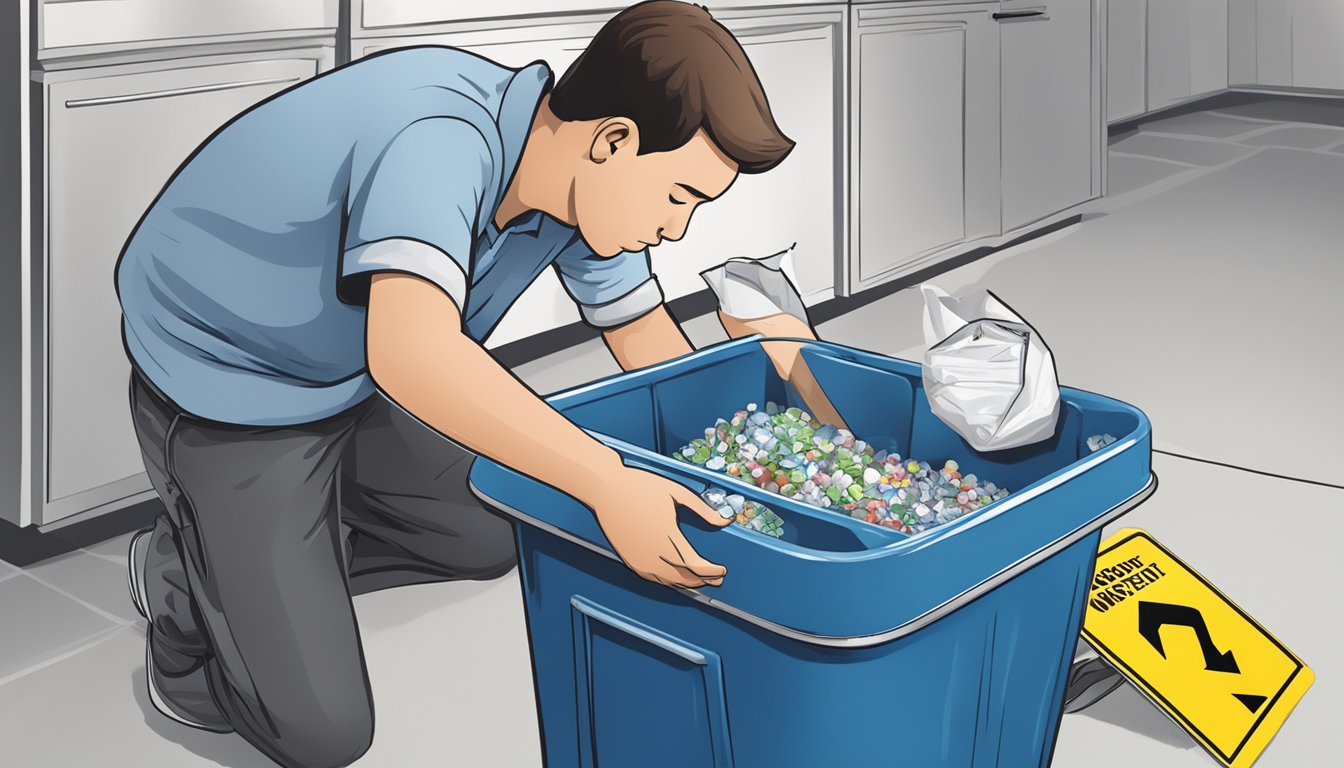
382, 16
112, 142
72, 26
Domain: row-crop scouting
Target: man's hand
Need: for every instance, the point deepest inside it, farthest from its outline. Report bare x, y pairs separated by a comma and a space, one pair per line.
638, 515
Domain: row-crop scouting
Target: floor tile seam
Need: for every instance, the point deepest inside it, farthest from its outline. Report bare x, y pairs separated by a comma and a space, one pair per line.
1326, 150
1236, 140
1252, 470
1242, 118
1191, 137
1118, 202
1168, 161
105, 614
114, 559
1272, 127
1285, 123
84, 644
1253, 151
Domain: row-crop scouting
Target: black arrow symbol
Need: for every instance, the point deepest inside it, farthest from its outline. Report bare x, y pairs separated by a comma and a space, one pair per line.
1250, 701
1153, 615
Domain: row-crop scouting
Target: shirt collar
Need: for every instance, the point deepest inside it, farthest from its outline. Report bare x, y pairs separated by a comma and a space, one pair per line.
522, 96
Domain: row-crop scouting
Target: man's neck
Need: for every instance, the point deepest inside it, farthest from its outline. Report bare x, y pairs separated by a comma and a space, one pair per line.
543, 179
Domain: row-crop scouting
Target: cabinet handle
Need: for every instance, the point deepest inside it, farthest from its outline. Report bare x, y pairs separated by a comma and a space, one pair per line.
73, 103
1016, 15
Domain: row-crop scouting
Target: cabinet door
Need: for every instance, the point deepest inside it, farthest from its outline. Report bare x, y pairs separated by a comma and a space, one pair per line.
1125, 68
1168, 52
68, 28
1274, 42
1208, 46
1046, 86
111, 144
1318, 44
1240, 42
925, 135
1187, 50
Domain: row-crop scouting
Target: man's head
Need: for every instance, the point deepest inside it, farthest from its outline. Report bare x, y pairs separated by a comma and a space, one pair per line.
673, 112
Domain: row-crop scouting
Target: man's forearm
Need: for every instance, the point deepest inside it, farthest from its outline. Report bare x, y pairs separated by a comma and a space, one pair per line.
647, 340
787, 357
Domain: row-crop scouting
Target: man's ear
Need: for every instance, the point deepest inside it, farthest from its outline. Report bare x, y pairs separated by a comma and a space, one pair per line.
615, 134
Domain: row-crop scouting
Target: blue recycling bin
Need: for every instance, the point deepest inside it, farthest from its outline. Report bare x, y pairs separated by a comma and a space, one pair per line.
841, 643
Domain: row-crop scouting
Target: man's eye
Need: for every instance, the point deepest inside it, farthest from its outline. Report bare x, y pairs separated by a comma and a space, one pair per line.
674, 200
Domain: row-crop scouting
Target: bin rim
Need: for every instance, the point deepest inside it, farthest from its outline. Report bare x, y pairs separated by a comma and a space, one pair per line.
897, 542
864, 641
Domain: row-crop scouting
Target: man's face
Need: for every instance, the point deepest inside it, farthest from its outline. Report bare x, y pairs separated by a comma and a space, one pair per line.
624, 201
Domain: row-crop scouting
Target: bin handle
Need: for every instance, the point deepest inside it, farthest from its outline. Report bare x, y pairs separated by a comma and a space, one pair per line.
864, 641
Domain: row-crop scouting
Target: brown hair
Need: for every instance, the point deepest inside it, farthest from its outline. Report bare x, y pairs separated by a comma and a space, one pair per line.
673, 70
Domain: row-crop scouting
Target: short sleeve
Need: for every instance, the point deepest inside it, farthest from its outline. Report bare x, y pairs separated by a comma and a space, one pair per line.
610, 291
416, 209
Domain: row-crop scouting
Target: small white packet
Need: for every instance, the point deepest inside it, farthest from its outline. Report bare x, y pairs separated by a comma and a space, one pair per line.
749, 289
987, 373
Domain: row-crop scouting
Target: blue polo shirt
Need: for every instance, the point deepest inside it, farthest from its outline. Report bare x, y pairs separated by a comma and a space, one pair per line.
243, 287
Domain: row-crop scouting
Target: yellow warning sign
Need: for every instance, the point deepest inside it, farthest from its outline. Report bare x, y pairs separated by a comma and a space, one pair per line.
1217, 672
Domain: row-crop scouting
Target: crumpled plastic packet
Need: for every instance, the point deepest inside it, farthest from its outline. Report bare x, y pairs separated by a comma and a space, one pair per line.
749, 289
987, 373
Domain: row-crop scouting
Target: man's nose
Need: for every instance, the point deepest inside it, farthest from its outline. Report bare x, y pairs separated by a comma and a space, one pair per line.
674, 234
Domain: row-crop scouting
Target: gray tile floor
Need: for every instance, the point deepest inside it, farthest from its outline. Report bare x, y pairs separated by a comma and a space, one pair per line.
1201, 290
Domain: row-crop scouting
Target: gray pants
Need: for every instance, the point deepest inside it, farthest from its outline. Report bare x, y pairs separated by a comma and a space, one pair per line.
268, 533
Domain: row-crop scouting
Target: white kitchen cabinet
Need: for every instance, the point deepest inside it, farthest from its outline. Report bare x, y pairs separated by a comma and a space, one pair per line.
1049, 120
1208, 46
925, 134
1318, 44
1240, 42
1126, 70
799, 57
1187, 50
1287, 43
84, 27
110, 140
397, 17
1274, 42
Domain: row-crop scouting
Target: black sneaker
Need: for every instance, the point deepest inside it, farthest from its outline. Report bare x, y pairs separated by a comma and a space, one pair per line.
178, 687
1090, 680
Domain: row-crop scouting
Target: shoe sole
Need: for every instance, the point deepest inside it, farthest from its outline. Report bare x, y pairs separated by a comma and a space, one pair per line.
135, 581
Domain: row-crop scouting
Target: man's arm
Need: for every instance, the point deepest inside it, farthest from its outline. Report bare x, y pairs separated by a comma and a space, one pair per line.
649, 339
656, 337
787, 357
419, 357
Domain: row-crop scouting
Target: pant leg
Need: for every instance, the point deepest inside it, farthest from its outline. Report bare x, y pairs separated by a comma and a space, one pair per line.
258, 533
170, 608
404, 494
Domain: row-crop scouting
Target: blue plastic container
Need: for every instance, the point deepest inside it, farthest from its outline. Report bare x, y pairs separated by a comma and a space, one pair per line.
842, 643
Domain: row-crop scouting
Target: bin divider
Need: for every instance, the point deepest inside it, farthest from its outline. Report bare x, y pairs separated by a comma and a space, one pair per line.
875, 535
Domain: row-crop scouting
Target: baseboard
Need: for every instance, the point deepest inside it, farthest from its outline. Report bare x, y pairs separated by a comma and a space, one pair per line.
1231, 97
